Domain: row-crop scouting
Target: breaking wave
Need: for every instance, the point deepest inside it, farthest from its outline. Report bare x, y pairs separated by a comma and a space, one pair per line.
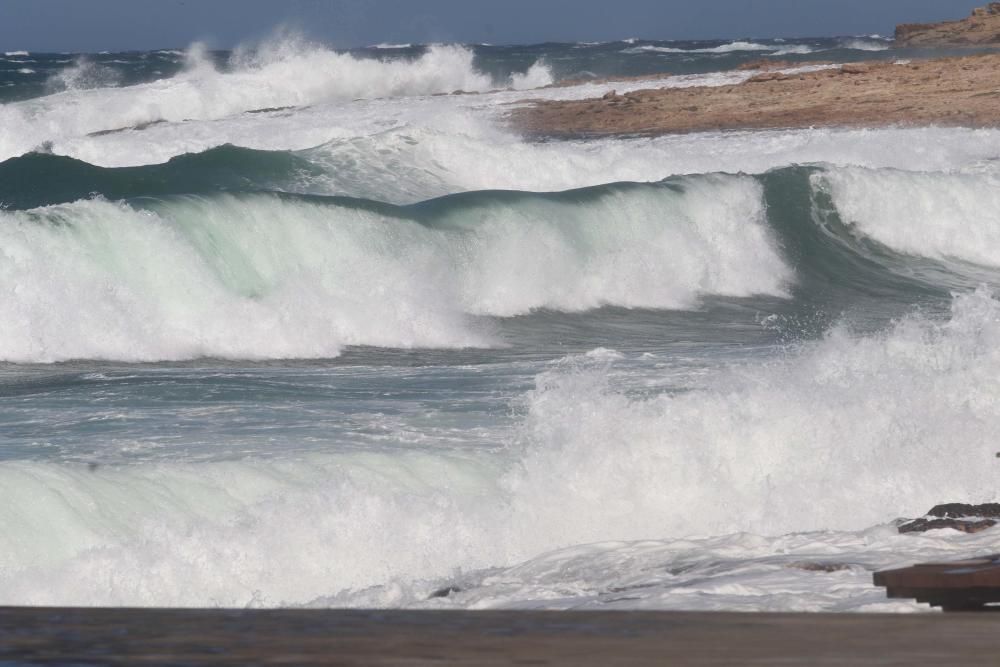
267, 276
275, 276
945, 216
840, 434
869, 44
731, 47
277, 75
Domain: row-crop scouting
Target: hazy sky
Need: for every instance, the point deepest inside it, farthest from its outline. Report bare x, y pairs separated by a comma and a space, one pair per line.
96, 25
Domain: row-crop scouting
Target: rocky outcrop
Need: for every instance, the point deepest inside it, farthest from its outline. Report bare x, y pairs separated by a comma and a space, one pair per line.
980, 29
958, 516
952, 92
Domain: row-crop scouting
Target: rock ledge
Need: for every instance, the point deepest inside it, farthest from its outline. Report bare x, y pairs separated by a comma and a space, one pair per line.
982, 28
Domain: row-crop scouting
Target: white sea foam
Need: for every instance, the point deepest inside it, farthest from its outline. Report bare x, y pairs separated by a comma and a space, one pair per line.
938, 215
260, 277
85, 74
538, 75
16, 54
649, 48
826, 571
25, 70
841, 435
859, 44
416, 148
408, 165
795, 49
278, 74
731, 47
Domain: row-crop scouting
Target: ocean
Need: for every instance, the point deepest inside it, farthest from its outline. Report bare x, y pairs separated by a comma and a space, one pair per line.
292, 326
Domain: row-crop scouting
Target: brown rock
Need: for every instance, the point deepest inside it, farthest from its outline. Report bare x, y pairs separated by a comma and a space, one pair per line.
610, 95
767, 76
855, 68
982, 28
991, 9
766, 64
928, 93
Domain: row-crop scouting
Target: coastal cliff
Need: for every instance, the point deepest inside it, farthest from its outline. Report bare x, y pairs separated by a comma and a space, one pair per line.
982, 28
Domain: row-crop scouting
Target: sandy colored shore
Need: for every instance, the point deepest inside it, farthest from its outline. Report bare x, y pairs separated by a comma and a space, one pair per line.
981, 28
963, 91
578, 639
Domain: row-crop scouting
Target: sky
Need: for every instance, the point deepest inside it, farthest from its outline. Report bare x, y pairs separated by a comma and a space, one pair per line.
116, 25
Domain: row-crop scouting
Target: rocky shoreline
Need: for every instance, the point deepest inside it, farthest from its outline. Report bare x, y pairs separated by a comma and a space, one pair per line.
959, 91
982, 28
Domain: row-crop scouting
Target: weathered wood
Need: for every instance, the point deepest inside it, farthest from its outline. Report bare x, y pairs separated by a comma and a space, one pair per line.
492, 638
959, 585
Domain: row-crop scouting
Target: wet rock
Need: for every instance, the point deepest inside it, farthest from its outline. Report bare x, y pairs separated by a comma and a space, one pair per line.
610, 95
961, 525
818, 566
960, 510
444, 592
957, 516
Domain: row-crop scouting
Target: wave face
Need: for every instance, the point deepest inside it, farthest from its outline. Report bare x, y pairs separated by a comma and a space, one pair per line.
944, 216
263, 276
38, 179
270, 277
411, 162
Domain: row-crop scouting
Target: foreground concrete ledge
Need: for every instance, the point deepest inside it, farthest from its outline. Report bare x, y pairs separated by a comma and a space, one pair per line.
340, 637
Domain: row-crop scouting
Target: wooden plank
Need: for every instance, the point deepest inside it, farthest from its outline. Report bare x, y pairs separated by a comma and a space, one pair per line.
414, 639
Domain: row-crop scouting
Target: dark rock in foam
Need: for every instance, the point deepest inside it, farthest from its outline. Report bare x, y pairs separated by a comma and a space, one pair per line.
958, 516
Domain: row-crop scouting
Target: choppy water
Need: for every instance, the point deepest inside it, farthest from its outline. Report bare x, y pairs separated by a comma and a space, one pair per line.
291, 326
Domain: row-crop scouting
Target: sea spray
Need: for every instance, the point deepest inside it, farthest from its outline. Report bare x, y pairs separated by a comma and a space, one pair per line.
276, 75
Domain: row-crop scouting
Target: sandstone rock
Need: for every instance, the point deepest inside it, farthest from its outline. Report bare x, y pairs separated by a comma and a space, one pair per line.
766, 64
767, 76
982, 28
610, 95
855, 68
991, 9
889, 95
